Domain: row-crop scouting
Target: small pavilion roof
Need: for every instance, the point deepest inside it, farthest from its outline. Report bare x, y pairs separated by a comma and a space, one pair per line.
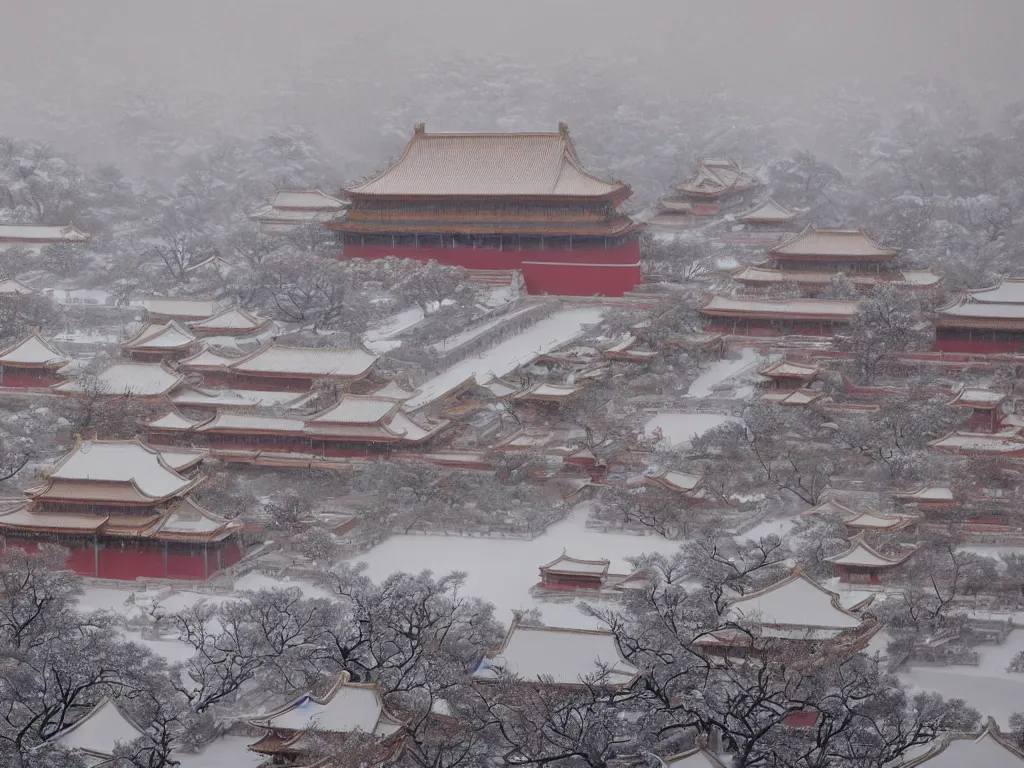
833, 243
231, 319
139, 379
683, 482
23, 517
99, 732
358, 409
488, 165
860, 553
790, 370
68, 233
558, 656
347, 708
717, 174
190, 520
990, 749
167, 337
795, 602
10, 287
571, 565
327, 362
767, 211
33, 351
802, 309
1009, 290
978, 398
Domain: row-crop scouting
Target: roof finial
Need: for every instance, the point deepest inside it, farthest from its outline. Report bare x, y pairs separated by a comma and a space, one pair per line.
563, 128
419, 128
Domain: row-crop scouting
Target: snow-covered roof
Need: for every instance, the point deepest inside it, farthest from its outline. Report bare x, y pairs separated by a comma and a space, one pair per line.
491, 165
801, 396
357, 409
544, 391
787, 369
306, 361
99, 732
306, 200
1008, 290
926, 493
680, 481
875, 521
755, 273
347, 708
33, 350
796, 601
26, 233
989, 750
831, 507
167, 336
190, 518
25, 517
231, 319
767, 211
195, 397
139, 379
173, 420
565, 564
120, 461
556, 655
500, 387
207, 358
693, 758
825, 309
833, 243
1007, 441
862, 554
717, 174
181, 309
9, 287
976, 397
246, 422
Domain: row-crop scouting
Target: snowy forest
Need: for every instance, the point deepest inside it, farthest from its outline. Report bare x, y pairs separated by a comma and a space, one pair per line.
329, 439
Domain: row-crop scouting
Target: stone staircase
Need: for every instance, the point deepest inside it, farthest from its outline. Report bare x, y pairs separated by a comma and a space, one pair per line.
492, 276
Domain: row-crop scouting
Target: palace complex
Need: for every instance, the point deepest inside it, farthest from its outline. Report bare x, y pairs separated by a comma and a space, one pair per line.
983, 320
498, 201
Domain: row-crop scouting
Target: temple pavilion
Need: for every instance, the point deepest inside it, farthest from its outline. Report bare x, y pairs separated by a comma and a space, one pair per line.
498, 201
31, 362
350, 714
863, 564
796, 616
718, 183
814, 256
983, 320
764, 317
986, 408
124, 510
768, 216
161, 341
293, 208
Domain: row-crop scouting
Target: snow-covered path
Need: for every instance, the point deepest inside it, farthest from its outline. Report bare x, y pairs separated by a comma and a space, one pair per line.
379, 339
550, 333
503, 570
720, 370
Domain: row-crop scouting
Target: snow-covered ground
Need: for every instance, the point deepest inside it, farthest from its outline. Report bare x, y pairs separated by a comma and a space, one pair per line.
380, 338
503, 570
988, 687
720, 370
681, 428
546, 335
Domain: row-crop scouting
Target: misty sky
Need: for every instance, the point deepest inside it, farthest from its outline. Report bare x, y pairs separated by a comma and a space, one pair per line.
85, 54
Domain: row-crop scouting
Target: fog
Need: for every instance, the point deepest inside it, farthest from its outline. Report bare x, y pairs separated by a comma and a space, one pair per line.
339, 69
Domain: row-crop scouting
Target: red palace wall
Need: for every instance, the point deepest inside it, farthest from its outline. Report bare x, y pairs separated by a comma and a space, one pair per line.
578, 272
132, 563
26, 377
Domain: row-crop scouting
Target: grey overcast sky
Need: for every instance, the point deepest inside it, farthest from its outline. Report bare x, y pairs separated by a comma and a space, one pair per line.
84, 54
